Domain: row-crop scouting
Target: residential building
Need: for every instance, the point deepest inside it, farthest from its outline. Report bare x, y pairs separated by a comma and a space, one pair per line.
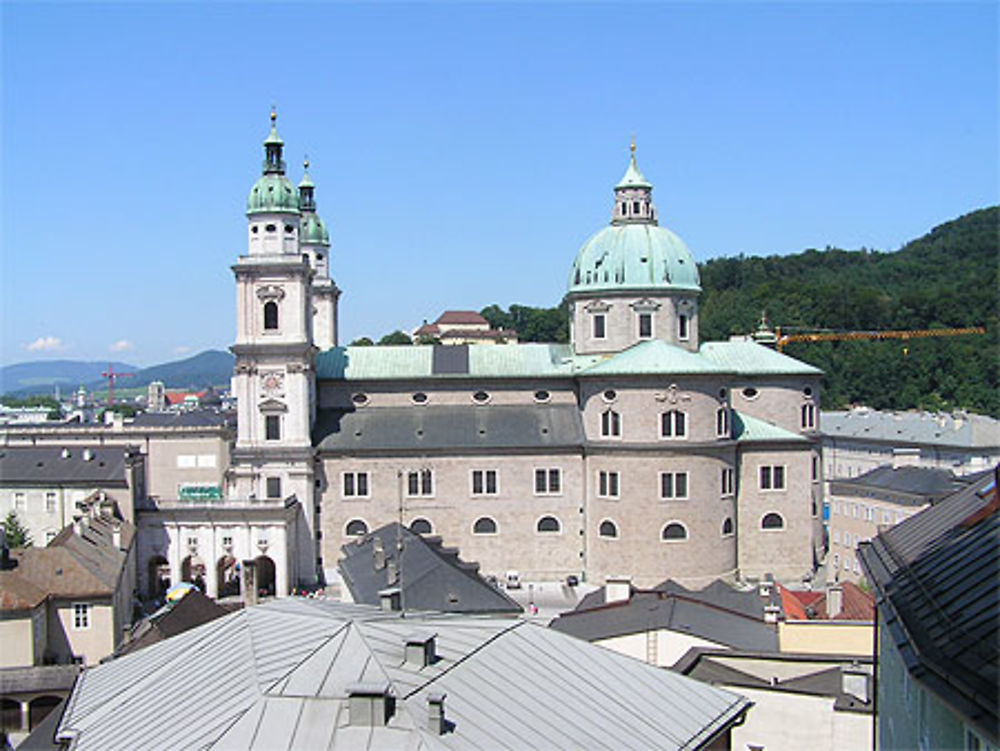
71, 600
306, 673
393, 561
800, 701
28, 695
462, 327
858, 508
839, 619
860, 439
47, 486
936, 577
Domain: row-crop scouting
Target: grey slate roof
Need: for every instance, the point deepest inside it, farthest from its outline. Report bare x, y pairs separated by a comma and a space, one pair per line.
434, 578
718, 613
40, 678
959, 430
914, 485
937, 581
452, 427
276, 676
45, 465
195, 419
191, 610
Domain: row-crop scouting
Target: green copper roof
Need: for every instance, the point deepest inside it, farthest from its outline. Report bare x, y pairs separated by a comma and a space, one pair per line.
273, 137
273, 192
633, 177
654, 357
752, 429
306, 181
749, 358
312, 229
634, 256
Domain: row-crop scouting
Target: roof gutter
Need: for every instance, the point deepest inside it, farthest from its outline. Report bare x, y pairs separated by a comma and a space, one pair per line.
733, 717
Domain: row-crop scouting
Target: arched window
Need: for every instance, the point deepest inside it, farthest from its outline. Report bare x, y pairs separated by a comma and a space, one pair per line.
608, 529
420, 527
270, 315
548, 524
772, 521
356, 527
674, 531
484, 526
727, 527
611, 424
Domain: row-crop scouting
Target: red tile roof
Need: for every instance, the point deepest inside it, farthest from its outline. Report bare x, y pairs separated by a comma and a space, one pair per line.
858, 605
462, 317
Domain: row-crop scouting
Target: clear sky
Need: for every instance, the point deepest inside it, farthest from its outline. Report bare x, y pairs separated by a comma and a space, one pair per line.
462, 152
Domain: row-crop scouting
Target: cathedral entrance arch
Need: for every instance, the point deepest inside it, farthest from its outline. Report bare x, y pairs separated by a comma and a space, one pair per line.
265, 576
193, 571
158, 577
227, 576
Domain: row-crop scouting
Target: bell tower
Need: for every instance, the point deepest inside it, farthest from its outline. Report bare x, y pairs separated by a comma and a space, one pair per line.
315, 243
274, 380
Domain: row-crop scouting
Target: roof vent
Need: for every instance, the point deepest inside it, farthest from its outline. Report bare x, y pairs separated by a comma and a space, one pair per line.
65, 454
88, 455
390, 599
854, 681
436, 722
764, 589
771, 613
370, 704
421, 650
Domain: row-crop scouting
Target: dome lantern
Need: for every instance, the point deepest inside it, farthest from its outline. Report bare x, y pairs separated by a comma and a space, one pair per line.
273, 192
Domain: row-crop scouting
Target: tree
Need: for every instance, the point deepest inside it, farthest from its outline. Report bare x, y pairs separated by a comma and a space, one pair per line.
18, 536
396, 337
362, 341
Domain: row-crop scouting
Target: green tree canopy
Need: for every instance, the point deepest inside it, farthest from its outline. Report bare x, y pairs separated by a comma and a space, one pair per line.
18, 535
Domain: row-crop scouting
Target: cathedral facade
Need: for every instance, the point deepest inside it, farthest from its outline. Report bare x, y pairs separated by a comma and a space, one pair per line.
635, 449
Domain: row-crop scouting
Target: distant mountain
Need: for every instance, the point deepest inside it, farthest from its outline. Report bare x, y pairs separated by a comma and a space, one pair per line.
41, 376
209, 368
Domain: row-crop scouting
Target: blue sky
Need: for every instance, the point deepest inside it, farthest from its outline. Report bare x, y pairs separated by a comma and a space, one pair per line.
462, 152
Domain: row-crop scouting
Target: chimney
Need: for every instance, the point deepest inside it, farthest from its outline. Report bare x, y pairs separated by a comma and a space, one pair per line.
389, 599
421, 650
854, 681
435, 713
617, 589
379, 553
249, 583
771, 613
370, 705
764, 589
116, 536
78, 525
834, 600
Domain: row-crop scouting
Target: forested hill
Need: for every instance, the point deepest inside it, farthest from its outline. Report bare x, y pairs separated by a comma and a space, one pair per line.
948, 278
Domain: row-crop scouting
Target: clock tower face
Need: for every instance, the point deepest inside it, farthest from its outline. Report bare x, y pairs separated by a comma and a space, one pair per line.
272, 382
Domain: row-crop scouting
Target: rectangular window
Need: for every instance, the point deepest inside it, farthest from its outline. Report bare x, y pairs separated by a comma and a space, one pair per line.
227, 541
355, 484
81, 616
722, 422
682, 327
611, 424
607, 484
274, 487
548, 481
836, 536
808, 416
272, 427
673, 485
727, 481
186, 461
50, 501
815, 468
599, 326
206, 461
645, 325
673, 424
484, 482
49, 536
420, 483
772, 477
887, 517
20, 502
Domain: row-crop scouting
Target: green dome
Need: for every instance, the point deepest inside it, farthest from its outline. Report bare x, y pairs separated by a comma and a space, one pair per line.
634, 257
273, 192
312, 230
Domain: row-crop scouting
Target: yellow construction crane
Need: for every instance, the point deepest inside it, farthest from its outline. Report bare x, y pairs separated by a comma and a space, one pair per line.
781, 340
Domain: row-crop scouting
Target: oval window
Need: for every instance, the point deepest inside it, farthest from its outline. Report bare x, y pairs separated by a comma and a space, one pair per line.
270, 228
610, 395
419, 398
289, 229
542, 396
254, 229
750, 392
722, 393
807, 391
481, 397
360, 399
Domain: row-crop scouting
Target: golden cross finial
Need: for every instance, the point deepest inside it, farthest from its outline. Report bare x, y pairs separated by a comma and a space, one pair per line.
632, 145
274, 112
305, 162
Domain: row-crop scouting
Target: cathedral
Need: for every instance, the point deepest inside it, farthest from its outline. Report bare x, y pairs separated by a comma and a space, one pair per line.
635, 449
